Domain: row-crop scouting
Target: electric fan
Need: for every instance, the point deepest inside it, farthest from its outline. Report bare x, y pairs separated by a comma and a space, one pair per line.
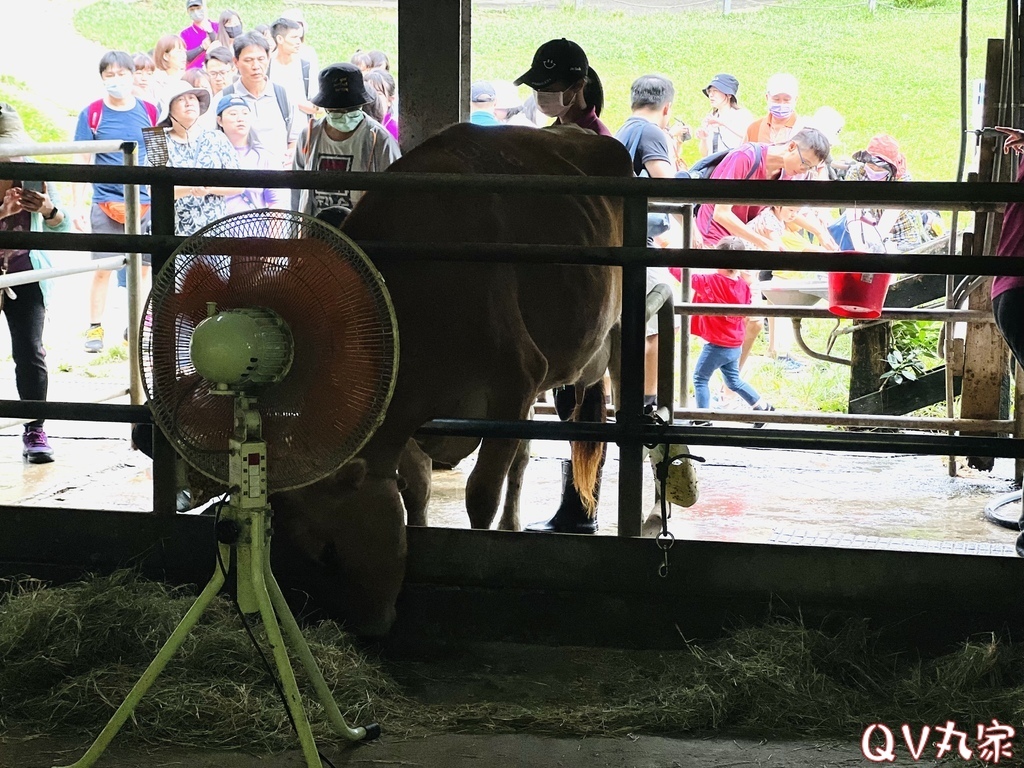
269, 353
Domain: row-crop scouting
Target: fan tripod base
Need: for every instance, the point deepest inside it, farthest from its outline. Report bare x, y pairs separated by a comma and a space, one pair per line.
245, 533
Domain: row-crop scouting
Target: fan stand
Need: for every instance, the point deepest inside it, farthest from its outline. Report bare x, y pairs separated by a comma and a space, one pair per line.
244, 532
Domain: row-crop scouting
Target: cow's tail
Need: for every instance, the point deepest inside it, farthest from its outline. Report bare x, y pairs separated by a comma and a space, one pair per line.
588, 458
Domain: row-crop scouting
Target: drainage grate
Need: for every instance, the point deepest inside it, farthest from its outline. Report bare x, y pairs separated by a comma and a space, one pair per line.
796, 537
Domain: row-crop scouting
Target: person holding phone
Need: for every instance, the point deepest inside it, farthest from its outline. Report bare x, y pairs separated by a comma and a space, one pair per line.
27, 206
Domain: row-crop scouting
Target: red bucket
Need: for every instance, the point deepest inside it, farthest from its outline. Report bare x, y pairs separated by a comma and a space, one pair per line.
857, 294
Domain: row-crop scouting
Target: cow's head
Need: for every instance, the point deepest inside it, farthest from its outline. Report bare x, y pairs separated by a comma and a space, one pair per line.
351, 527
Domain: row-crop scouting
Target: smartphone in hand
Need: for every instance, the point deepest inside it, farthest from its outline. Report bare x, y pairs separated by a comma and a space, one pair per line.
33, 186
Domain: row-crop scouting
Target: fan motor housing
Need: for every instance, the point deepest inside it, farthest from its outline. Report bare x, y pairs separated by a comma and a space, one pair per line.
242, 346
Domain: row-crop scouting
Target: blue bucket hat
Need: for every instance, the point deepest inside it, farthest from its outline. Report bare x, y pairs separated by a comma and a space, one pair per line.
727, 84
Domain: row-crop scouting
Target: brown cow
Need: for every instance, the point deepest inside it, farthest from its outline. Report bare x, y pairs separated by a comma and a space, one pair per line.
478, 340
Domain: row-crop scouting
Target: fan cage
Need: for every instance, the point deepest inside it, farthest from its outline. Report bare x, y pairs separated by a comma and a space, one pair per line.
345, 344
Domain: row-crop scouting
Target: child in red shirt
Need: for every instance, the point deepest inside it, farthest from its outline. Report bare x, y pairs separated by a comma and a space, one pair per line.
724, 334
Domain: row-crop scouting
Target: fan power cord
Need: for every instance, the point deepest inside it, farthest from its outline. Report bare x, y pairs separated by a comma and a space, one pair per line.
231, 572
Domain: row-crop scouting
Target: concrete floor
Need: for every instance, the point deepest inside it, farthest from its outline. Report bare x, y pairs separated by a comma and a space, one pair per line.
748, 495
847, 500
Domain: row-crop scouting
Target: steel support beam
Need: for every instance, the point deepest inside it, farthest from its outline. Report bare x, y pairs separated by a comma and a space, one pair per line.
430, 49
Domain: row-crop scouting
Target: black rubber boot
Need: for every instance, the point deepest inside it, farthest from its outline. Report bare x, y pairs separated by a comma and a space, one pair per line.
571, 516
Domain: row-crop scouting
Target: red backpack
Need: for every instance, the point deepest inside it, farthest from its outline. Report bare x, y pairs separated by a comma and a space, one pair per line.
95, 111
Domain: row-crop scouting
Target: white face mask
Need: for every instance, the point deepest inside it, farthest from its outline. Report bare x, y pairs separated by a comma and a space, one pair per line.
119, 87
551, 103
345, 121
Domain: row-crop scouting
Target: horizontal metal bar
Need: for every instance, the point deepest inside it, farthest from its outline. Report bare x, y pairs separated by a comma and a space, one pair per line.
63, 148
64, 411
829, 419
814, 418
912, 194
783, 310
35, 275
113, 395
806, 440
918, 264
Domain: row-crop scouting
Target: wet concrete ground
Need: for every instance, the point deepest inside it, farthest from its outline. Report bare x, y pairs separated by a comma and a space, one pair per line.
748, 495
883, 501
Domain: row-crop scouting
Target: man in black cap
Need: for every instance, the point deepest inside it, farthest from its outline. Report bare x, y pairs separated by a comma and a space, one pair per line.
481, 104
345, 139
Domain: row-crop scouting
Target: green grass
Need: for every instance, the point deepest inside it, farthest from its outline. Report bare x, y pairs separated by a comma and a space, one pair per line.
38, 125
894, 71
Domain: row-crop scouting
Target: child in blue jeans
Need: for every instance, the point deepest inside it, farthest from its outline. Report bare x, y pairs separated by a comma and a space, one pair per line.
723, 334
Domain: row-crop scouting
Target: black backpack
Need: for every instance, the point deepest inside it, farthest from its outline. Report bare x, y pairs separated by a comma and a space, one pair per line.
703, 168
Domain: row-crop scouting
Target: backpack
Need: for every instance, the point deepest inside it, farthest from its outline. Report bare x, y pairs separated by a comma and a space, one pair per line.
703, 168
94, 112
282, 103
304, 65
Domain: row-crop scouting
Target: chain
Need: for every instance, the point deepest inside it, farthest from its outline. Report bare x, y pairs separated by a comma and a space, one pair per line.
665, 539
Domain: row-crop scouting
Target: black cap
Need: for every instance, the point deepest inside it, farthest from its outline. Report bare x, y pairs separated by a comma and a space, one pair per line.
341, 87
556, 61
727, 84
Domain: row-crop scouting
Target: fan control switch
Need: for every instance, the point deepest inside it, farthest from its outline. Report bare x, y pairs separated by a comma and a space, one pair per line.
252, 474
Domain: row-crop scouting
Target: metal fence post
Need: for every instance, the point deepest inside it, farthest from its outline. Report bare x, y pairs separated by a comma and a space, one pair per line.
165, 483
634, 300
133, 226
684, 327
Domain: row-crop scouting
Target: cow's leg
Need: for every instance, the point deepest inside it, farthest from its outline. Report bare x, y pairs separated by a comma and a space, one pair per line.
483, 489
414, 467
514, 488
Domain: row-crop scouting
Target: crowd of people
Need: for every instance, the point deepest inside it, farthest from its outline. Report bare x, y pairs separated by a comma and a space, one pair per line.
258, 99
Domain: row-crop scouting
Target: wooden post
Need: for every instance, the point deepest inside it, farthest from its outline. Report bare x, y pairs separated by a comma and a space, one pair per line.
869, 349
986, 358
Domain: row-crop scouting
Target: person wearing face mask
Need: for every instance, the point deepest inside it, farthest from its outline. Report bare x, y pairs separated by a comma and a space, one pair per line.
345, 139
230, 24
190, 145
200, 34
118, 116
782, 121
870, 229
725, 127
565, 86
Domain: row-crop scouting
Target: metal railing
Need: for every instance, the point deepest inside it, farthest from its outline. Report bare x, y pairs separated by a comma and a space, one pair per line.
132, 261
631, 431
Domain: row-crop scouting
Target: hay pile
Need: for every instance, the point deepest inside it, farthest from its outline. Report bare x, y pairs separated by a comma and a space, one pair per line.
70, 655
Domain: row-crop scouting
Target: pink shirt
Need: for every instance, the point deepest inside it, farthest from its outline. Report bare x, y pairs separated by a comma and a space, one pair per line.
1011, 242
736, 165
193, 37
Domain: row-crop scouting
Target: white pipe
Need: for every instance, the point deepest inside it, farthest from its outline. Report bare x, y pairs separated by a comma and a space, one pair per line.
35, 275
61, 148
